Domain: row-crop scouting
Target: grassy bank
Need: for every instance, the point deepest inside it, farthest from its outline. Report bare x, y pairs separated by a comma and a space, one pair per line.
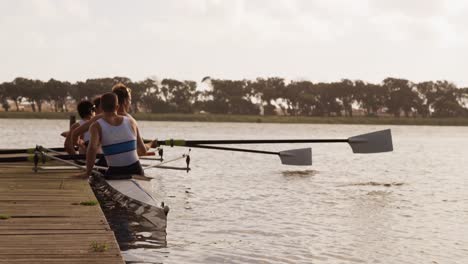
262, 119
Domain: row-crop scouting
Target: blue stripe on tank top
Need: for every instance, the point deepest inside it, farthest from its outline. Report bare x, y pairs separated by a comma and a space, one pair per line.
119, 148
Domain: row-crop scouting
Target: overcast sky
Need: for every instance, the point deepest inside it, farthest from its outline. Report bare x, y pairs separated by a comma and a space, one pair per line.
318, 40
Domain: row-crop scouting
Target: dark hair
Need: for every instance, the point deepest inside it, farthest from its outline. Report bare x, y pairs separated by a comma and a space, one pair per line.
108, 102
97, 101
85, 108
122, 92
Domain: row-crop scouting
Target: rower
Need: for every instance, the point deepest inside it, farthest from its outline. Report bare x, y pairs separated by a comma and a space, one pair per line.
97, 105
121, 143
86, 112
124, 95
97, 111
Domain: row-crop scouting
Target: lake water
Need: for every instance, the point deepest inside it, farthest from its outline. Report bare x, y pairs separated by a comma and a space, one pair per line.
407, 206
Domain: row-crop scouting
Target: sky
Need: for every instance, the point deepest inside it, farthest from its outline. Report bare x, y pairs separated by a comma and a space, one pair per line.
317, 40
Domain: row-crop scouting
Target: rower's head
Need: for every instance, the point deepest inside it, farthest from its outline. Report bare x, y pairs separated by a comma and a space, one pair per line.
97, 105
124, 95
109, 103
85, 109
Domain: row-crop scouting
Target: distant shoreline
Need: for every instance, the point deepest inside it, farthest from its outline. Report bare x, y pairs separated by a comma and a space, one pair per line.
259, 119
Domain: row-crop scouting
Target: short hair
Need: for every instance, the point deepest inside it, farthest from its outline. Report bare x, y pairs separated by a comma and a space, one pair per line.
122, 92
85, 108
108, 102
97, 101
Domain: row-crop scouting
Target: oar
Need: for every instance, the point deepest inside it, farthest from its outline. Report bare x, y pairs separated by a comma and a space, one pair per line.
375, 142
298, 157
57, 158
27, 150
31, 158
161, 164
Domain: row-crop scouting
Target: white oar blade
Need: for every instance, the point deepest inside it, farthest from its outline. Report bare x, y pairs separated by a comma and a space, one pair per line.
375, 142
298, 157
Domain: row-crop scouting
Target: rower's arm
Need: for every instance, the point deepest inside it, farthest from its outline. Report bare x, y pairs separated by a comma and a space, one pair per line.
141, 147
68, 144
141, 144
83, 128
149, 145
93, 147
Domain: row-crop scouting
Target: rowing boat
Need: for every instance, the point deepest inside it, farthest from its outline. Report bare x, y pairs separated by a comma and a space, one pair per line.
134, 194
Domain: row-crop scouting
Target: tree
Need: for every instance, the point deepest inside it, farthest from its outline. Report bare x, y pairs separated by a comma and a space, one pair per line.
441, 99
447, 101
300, 98
92, 87
371, 97
345, 91
58, 92
34, 91
26, 86
402, 96
153, 99
14, 92
4, 97
229, 97
181, 95
428, 93
327, 99
146, 93
155, 104
267, 91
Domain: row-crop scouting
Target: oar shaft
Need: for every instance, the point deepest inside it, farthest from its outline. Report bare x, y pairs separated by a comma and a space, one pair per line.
31, 158
235, 149
190, 143
29, 150
95, 168
64, 161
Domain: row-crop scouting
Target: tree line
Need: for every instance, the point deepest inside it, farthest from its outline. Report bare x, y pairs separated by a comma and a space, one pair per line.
268, 96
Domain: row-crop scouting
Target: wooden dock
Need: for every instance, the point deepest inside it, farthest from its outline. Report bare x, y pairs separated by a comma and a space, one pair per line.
43, 220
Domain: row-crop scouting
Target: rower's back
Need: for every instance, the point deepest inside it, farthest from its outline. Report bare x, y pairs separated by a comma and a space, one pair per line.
118, 139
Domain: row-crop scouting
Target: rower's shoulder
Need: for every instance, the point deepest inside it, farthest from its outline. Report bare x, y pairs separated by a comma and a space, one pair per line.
95, 125
130, 119
74, 126
91, 121
96, 118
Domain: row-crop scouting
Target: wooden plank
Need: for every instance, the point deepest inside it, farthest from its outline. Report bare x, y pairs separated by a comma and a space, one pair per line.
47, 224
85, 219
60, 259
51, 192
58, 231
43, 198
31, 211
51, 227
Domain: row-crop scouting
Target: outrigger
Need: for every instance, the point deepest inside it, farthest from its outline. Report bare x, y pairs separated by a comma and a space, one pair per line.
136, 194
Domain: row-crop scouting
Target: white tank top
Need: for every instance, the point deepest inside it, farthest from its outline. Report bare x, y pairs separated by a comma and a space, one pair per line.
86, 135
118, 143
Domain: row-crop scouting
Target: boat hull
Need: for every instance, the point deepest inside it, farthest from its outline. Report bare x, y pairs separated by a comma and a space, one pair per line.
151, 213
